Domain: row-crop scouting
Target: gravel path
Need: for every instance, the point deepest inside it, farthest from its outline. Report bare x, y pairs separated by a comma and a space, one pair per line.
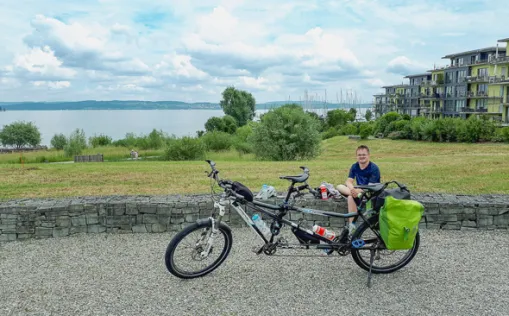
454, 273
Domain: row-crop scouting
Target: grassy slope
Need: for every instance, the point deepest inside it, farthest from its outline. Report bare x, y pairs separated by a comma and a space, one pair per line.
424, 167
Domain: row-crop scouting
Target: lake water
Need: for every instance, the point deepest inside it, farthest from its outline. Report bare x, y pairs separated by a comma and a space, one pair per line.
117, 123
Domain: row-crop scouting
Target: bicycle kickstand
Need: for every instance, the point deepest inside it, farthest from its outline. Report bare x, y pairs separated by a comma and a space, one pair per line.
371, 265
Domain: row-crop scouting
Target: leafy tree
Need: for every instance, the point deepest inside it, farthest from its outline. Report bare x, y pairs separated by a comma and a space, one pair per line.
353, 113
286, 133
214, 123
20, 134
239, 104
77, 142
59, 141
101, 140
338, 118
185, 148
369, 115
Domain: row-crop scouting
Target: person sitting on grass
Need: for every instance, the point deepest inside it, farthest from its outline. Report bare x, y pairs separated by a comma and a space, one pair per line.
363, 172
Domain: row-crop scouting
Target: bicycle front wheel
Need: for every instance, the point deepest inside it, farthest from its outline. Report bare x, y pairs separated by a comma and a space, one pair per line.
186, 256
386, 261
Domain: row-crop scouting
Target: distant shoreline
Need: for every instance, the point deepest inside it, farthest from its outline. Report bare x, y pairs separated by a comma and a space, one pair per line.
155, 105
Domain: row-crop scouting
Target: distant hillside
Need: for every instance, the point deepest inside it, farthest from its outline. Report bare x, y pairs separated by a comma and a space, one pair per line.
150, 105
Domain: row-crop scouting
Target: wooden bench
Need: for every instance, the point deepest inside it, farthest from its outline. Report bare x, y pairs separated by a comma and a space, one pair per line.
89, 158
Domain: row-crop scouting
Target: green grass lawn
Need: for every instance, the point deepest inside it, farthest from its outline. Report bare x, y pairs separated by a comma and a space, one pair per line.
424, 167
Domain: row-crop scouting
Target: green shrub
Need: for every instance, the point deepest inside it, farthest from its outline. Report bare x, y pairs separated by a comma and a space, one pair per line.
501, 135
77, 142
98, 141
365, 130
59, 141
185, 148
331, 132
349, 129
217, 141
286, 133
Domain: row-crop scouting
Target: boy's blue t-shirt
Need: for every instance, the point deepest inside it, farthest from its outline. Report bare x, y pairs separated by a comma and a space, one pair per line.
371, 174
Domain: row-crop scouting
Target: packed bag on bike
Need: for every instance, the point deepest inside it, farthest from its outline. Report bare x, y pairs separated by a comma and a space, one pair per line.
399, 222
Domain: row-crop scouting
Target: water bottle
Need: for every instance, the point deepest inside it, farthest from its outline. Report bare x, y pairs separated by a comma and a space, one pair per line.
260, 224
329, 234
265, 193
323, 190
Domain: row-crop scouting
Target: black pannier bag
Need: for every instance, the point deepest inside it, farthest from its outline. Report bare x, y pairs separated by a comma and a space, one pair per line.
241, 189
397, 193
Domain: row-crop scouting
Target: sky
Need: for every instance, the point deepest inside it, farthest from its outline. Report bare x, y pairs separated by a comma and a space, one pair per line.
192, 50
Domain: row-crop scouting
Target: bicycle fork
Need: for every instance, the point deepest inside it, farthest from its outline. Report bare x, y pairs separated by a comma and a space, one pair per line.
215, 224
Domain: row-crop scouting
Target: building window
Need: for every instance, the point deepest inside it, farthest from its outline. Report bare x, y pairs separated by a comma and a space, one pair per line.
482, 72
481, 103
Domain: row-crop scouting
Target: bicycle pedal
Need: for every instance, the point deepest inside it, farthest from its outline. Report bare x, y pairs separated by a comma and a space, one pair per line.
257, 250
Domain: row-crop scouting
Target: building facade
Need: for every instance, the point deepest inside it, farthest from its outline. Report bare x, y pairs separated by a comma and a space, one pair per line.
473, 83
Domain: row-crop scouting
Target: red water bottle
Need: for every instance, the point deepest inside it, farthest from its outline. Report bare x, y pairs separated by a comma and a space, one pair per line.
329, 234
323, 190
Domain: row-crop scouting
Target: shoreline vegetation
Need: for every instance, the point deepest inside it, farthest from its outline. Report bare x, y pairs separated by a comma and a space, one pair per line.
447, 155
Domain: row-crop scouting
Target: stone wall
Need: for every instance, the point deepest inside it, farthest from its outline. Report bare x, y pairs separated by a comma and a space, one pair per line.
44, 218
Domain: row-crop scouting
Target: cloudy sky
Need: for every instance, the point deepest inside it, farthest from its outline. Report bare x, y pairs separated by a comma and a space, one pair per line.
191, 50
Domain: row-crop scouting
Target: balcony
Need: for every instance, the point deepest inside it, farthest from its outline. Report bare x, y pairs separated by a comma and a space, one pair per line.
499, 80
482, 95
477, 79
470, 110
502, 59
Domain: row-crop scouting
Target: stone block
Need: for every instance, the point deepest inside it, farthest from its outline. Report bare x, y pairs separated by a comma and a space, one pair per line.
92, 219
23, 230
501, 220
131, 209
47, 224
139, 228
158, 228
63, 221
77, 230
148, 209
79, 220
469, 224
7, 237
61, 231
8, 228
119, 209
485, 220
488, 211
43, 232
94, 229
452, 226
191, 218
163, 209
150, 219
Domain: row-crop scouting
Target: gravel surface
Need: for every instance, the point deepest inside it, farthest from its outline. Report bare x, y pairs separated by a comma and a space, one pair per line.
454, 273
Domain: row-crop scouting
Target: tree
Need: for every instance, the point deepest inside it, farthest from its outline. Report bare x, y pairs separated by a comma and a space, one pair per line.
59, 141
20, 134
239, 104
286, 133
338, 118
369, 115
77, 142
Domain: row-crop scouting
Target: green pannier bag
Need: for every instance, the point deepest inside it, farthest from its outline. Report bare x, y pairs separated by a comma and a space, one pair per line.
399, 222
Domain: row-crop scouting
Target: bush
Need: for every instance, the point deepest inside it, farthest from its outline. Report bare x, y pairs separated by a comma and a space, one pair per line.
286, 133
365, 130
77, 142
349, 129
501, 135
185, 148
101, 140
217, 141
331, 132
58, 141
382, 122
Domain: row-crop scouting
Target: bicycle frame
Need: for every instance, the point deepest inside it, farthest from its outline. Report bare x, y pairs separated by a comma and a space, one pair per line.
282, 210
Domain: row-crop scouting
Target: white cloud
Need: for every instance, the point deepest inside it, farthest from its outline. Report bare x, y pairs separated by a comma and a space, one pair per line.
183, 50
52, 84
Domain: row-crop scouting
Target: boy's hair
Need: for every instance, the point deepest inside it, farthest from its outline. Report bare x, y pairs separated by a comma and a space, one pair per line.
362, 147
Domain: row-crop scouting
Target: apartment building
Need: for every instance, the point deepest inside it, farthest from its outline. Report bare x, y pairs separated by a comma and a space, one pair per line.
474, 82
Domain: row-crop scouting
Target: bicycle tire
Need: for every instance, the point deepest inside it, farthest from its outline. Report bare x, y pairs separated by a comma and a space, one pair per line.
378, 270
170, 250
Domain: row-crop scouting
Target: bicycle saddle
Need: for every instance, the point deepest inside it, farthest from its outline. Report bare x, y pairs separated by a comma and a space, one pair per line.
371, 187
298, 179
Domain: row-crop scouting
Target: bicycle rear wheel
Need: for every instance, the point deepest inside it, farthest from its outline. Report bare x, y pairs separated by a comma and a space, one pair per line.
198, 234
386, 261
